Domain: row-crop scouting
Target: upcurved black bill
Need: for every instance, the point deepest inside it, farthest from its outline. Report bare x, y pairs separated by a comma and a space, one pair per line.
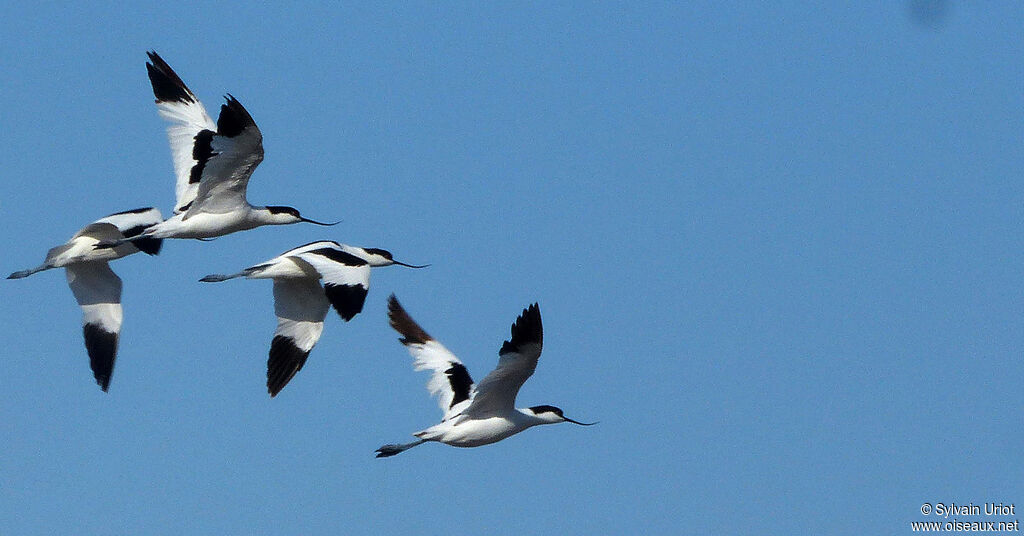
410, 265
307, 220
580, 423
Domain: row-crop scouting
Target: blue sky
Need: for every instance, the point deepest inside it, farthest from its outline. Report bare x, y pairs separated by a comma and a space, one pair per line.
777, 251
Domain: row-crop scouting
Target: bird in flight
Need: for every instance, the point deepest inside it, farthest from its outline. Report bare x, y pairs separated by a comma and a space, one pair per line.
301, 303
475, 414
96, 287
213, 163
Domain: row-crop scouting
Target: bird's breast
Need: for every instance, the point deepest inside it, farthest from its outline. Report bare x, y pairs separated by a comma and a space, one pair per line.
202, 225
477, 432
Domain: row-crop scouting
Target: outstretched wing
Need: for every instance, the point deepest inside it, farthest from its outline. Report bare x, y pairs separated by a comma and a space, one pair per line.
346, 277
176, 103
301, 307
516, 362
450, 381
228, 158
98, 291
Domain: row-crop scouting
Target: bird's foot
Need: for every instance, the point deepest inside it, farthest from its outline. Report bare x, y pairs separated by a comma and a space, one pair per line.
389, 450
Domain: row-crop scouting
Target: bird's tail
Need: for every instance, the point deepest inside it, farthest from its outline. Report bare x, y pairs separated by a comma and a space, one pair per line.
392, 449
25, 273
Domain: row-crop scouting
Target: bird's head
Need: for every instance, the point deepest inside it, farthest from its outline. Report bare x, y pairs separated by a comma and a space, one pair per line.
380, 257
552, 415
286, 215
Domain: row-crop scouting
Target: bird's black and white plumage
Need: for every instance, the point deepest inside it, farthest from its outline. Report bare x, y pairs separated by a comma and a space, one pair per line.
190, 152
212, 162
483, 413
95, 286
301, 303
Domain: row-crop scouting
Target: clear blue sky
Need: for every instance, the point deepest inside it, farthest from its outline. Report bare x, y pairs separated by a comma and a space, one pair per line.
778, 253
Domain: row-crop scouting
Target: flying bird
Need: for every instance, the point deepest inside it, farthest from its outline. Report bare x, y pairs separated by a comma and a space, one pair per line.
213, 163
301, 303
483, 413
96, 287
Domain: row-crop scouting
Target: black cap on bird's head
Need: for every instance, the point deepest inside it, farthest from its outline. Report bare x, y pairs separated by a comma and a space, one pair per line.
291, 215
541, 410
382, 252
383, 257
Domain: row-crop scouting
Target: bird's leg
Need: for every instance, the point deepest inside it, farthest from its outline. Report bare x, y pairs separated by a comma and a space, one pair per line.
25, 273
391, 450
217, 278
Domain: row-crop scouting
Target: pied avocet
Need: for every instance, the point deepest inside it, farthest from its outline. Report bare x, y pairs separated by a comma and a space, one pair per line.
301, 303
96, 287
484, 413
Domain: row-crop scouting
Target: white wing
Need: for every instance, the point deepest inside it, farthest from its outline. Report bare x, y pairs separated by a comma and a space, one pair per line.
98, 291
516, 362
301, 307
450, 381
176, 103
346, 277
227, 159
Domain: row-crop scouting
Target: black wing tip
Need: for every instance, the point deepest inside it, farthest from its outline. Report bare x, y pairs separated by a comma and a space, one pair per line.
527, 329
167, 85
347, 300
101, 345
155, 57
284, 362
401, 322
149, 246
233, 118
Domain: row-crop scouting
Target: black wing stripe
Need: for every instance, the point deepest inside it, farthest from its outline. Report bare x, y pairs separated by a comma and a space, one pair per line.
133, 211
130, 232
202, 152
339, 256
458, 378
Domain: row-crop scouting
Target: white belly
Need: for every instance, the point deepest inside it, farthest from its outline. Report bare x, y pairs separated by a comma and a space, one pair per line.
472, 433
202, 225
